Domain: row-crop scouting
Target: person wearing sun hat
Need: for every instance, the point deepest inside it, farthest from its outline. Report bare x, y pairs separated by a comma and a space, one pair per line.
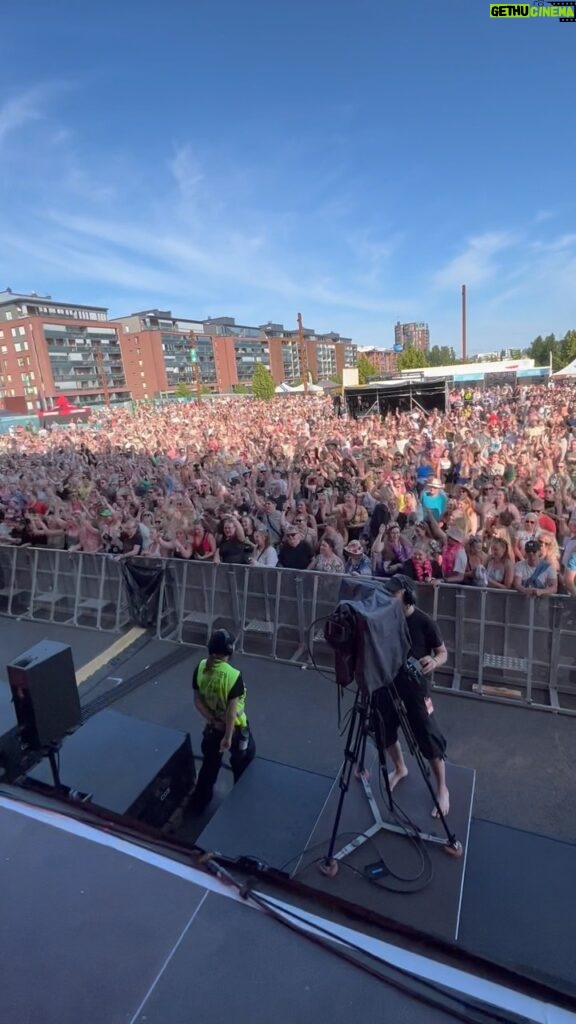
434, 498
357, 563
454, 557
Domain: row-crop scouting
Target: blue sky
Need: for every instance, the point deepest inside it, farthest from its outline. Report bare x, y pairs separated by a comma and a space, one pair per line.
357, 162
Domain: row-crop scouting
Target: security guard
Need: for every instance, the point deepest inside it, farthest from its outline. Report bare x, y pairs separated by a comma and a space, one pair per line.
220, 697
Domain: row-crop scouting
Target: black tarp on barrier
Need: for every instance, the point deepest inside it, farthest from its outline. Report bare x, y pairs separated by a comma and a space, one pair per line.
143, 581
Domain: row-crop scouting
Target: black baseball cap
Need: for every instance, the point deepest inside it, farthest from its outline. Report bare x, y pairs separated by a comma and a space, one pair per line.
532, 545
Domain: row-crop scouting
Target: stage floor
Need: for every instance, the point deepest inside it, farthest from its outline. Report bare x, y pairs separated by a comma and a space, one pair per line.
284, 816
521, 852
92, 933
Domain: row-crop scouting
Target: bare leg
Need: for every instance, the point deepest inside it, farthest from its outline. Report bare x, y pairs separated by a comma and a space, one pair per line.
442, 795
400, 770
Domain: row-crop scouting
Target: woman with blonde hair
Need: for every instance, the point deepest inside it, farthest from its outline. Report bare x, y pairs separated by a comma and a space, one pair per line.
500, 565
264, 553
465, 514
550, 549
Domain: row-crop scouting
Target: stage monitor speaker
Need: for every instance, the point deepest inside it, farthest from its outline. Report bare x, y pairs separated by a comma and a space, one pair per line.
122, 764
45, 694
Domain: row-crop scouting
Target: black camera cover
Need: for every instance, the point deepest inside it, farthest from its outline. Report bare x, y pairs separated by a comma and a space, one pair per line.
368, 634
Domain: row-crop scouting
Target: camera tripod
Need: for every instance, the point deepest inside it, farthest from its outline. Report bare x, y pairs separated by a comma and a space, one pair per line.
366, 721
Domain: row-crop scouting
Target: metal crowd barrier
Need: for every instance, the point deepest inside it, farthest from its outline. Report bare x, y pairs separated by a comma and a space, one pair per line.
500, 644
65, 587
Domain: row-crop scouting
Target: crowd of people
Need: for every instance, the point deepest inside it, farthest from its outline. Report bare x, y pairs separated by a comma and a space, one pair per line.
482, 494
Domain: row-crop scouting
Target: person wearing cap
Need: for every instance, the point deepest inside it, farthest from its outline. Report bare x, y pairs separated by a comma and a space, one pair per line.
357, 563
434, 498
220, 697
427, 647
535, 576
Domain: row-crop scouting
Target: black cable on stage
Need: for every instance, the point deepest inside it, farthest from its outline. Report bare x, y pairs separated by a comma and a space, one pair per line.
423, 990
322, 618
412, 836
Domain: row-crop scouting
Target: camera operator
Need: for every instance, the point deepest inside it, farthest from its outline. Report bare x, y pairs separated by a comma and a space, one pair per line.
427, 647
220, 697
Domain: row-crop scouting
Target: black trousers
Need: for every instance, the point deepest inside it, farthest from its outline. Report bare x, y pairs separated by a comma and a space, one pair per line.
415, 695
242, 752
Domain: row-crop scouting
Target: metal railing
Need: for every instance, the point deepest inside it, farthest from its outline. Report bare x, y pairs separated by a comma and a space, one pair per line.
65, 587
500, 644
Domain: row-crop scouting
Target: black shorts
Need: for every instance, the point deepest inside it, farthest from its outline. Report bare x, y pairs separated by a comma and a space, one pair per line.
415, 695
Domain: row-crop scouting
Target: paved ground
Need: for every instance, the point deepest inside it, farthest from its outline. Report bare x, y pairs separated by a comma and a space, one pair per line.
16, 636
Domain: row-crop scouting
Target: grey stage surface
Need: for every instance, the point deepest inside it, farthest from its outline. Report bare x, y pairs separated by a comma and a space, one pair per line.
16, 636
436, 908
277, 814
514, 905
91, 934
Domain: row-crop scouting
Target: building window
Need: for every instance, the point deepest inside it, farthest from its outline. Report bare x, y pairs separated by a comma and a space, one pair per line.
8, 314
4, 349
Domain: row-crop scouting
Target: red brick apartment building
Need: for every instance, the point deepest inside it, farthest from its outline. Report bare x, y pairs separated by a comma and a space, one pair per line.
50, 349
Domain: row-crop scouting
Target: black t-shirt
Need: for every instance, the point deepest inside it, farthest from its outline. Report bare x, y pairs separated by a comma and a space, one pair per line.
295, 558
238, 690
233, 552
424, 634
129, 543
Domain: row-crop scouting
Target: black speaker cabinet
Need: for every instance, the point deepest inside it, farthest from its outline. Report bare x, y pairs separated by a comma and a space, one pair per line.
45, 694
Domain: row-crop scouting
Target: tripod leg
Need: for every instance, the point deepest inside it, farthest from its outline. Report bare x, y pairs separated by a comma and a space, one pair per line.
379, 740
360, 771
329, 866
453, 846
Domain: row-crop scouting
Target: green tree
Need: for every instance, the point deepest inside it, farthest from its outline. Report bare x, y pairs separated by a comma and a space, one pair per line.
366, 370
567, 349
412, 359
516, 353
240, 389
441, 355
183, 390
542, 348
263, 385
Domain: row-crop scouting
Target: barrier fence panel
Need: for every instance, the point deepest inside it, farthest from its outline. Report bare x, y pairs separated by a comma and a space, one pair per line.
562, 669
500, 644
70, 587
260, 602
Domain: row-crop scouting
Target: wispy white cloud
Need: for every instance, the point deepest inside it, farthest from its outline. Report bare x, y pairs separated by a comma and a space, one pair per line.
476, 264
543, 215
563, 242
18, 111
